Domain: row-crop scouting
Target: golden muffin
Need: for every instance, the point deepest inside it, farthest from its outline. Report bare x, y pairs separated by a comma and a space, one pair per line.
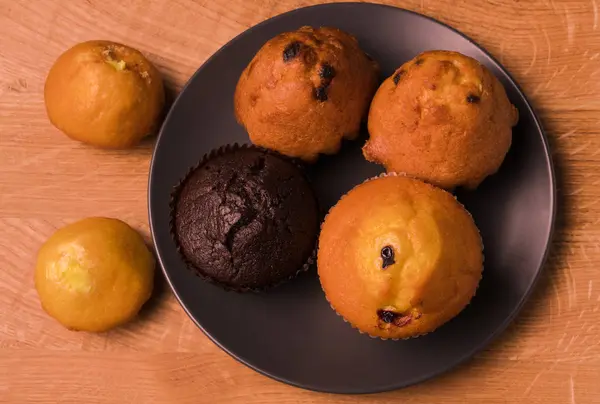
105, 94
306, 90
398, 257
441, 117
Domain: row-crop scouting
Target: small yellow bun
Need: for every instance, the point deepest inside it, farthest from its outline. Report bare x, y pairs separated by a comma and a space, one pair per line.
105, 94
94, 274
398, 257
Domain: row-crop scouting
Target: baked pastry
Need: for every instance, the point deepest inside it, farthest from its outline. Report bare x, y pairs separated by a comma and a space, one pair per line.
94, 274
105, 94
398, 257
245, 218
306, 90
441, 117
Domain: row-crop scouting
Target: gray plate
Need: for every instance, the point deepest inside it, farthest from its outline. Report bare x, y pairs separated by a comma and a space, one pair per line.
290, 333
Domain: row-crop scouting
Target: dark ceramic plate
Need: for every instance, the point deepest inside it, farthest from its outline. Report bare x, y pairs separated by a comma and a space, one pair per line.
291, 333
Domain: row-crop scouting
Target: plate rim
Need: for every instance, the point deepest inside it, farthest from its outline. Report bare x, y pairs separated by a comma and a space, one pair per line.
550, 230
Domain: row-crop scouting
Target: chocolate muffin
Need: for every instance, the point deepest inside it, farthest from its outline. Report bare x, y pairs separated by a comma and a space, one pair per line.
245, 218
306, 90
442, 117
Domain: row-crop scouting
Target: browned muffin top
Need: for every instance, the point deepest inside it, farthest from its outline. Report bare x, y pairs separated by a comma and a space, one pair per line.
306, 90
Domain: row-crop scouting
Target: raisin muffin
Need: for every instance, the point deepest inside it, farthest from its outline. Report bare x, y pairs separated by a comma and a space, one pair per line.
245, 218
398, 257
442, 117
306, 90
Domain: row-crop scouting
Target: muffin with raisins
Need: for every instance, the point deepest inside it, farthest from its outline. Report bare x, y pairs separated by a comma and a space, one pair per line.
398, 257
442, 117
306, 90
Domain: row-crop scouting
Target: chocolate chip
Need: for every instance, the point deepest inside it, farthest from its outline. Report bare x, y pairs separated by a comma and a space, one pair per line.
419, 62
473, 99
387, 256
291, 51
321, 93
386, 316
397, 76
327, 72
390, 317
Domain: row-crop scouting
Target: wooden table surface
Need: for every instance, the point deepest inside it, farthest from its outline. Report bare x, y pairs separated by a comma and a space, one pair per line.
551, 354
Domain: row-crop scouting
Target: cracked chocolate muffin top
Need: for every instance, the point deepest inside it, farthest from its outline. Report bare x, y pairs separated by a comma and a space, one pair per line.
246, 218
306, 90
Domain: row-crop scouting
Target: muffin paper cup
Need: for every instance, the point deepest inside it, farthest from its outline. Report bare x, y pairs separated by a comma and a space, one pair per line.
400, 174
311, 260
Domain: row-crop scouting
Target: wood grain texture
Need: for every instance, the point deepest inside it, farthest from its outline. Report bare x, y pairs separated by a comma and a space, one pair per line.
551, 354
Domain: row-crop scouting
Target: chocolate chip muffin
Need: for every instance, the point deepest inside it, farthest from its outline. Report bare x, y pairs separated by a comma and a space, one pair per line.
442, 117
245, 218
399, 257
304, 91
